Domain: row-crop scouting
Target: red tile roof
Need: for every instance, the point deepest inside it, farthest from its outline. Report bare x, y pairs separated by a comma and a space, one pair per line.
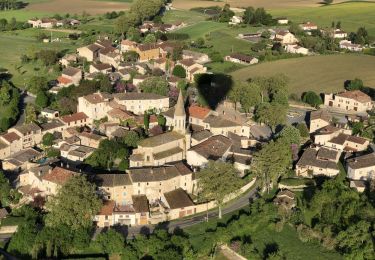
64, 81
356, 95
59, 175
107, 208
10, 137
199, 112
74, 117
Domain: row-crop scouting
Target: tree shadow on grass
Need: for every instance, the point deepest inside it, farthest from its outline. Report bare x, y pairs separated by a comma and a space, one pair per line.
214, 88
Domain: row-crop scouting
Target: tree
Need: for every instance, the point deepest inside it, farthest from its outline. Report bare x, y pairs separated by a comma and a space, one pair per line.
155, 85
5, 94
312, 99
179, 71
150, 38
356, 84
290, 135
271, 114
133, 34
41, 100
271, 162
47, 139
303, 131
107, 154
131, 139
48, 57
146, 9
37, 84
74, 205
356, 242
250, 96
4, 190
217, 181
199, 43
162, 120
248, 16
125, 22
130, 56
110, 242
30, 113
146, 121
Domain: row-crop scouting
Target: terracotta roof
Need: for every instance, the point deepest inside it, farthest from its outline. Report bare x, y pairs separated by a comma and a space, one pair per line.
64, 81
219, 122
74, 117
10, 137
127, 42
356, 95
59, 175
91, 136
112, 180
147, 47
140, 203
178, 198
94, 98
120, 114
198, 112
201, 135
27, 128
241, 57
107, 208
155, 174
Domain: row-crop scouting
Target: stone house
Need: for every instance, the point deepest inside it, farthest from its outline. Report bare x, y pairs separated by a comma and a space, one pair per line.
348, 45
352, 101
70, 76
138, 103
318, 161
115, 186
192, 68
361, 167
78, 119
241, 59
31, 134
285, 37
308, 26
319, 119
198, 57
103, 68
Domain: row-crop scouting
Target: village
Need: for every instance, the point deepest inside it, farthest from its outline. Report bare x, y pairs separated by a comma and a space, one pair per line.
143, 116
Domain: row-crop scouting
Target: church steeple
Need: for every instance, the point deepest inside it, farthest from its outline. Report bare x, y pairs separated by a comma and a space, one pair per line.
179, 120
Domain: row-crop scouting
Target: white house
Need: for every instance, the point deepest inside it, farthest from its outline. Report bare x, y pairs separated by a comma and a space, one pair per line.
235, 20
362, 167
282, 20
348, 45
354, 101
241, 59
294, 48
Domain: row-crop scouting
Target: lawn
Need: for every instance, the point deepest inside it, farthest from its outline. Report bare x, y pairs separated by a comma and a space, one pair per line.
317, 73
189, 17
352, 15
24, 42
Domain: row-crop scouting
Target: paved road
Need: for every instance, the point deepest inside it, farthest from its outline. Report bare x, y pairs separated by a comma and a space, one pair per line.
242, 202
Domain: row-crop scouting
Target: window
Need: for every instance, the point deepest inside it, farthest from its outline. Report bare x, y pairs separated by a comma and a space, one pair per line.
139, 184
147, 183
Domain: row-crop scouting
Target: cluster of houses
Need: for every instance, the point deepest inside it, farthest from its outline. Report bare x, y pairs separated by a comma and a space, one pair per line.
106, 59
162, 174
333, 140
47, 23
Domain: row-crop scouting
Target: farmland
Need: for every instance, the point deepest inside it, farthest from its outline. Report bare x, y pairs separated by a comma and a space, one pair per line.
24, 42
317, 73
352, 15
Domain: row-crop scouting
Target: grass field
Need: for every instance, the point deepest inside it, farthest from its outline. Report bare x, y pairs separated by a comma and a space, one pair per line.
317, 73
352, 15
262, 234
24, 42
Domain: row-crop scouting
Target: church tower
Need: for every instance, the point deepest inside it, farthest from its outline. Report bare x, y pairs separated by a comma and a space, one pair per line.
179, 118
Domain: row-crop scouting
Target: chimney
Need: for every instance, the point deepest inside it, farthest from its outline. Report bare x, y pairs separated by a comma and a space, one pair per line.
62, 164
39, 172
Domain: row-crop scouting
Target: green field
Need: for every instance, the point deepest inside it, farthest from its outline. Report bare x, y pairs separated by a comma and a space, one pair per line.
317, 73
24, 42
352, 15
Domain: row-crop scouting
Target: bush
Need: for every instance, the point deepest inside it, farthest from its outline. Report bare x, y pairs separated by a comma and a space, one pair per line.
179, 71
312, 99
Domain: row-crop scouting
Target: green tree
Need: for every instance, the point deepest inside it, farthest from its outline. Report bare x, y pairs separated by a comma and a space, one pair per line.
179, 71
48, 57
130, 56
125, 22
356, 242
131, 139
133, 34
290, 135
5, 95
5, 190
217, 181
271, 114
110, 242
155, 85
272, 162
48, 139
303, 131
356, 84
162, 120
37, 84
30, 113
248, 16
108, 152
78, 197
312, 99
146, 121
150, 38
41, 99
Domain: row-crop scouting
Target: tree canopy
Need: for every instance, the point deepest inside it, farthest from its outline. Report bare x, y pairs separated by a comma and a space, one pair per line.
156, 85
74, 205
217, 181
